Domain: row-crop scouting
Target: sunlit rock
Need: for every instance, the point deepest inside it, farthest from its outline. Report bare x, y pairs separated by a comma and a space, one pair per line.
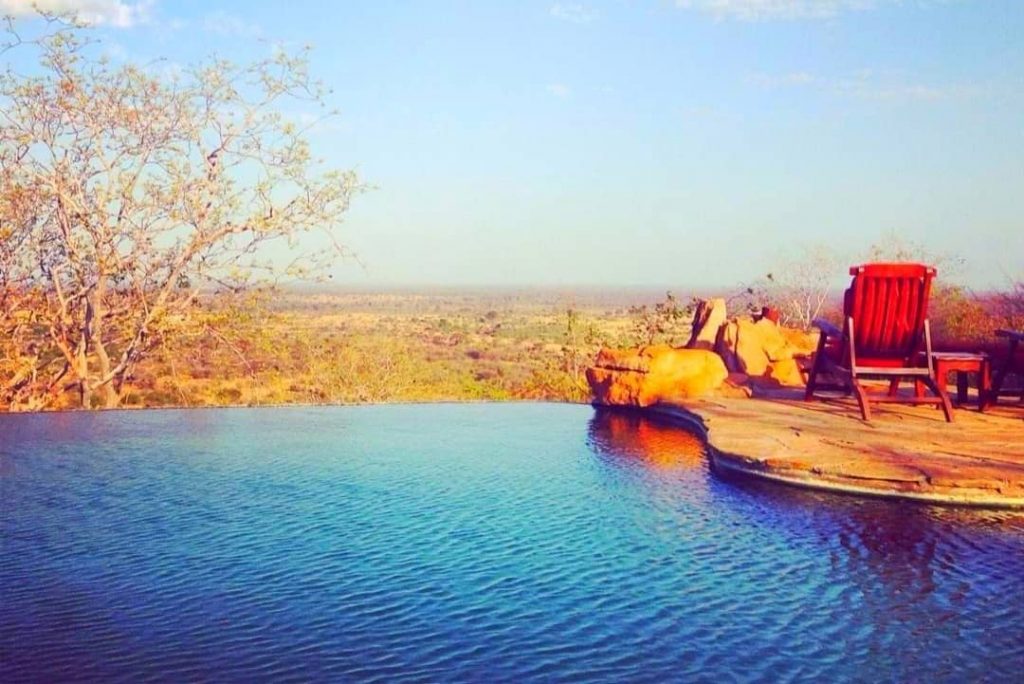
764, 349
786, 372
708, 318
653, 374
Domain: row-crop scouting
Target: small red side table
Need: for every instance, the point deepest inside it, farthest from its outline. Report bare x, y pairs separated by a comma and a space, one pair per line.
963, 363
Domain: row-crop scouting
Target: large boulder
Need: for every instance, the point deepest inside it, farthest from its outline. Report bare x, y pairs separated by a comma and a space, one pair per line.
786, 372
764, 349
654, 374
802, 343
707, 319
745, 345
628, 359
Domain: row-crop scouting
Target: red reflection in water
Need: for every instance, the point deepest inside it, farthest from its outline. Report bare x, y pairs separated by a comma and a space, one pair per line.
657, 443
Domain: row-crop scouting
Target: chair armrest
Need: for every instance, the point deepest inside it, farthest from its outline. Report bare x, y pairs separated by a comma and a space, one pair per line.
1012, 334
826, 327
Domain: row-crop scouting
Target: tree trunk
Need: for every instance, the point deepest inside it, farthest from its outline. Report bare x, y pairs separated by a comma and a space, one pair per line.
111, 398
109, 394
84, 392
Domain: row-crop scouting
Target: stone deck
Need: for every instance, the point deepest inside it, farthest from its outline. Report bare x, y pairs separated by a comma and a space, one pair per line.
906, 452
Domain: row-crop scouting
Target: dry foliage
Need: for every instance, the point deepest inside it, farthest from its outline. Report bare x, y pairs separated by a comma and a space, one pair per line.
125, 194
805, 287
800, 288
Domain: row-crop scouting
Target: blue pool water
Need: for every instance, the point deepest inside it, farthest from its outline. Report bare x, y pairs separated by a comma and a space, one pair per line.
470, 542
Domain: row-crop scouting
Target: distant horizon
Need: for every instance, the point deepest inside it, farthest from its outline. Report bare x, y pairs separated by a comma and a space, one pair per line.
680, 291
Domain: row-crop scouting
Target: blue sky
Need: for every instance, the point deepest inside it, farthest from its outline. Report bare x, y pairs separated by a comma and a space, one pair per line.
695, 143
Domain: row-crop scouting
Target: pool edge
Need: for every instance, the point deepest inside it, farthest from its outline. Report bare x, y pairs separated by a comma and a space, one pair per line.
724, 463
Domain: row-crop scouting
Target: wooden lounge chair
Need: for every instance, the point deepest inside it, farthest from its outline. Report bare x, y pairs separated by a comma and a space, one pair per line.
1010, 365
885, 336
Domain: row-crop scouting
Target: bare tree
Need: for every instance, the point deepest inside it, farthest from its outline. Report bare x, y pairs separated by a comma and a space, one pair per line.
126, 193
800, 287
665, 322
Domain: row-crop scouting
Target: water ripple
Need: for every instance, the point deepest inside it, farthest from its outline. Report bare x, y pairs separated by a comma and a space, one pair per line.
469, 543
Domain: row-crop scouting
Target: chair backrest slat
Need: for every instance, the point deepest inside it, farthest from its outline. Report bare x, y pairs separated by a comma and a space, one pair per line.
888, 304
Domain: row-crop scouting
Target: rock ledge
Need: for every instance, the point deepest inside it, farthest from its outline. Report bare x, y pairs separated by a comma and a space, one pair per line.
908, 452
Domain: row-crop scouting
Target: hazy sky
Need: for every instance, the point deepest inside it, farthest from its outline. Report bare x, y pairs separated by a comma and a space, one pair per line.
691, 143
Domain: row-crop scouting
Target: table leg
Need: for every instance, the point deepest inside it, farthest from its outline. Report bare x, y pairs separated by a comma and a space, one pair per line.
961, 387
984, 382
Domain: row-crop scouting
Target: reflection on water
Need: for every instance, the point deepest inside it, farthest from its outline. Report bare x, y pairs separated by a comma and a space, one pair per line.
473, 543
632, 435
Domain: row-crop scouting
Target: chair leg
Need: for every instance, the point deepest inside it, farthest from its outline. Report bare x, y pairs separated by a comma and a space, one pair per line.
812, 381
943, 395
990, 397
947, 406
918, 388
894, 387
816, 368
984, 384
862, 398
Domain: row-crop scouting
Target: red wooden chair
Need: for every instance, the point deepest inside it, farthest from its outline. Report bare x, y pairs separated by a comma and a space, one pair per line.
1011, 365
884, 336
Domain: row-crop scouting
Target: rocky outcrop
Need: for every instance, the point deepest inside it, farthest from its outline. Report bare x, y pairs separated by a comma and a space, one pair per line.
707, 319
654, 374
801, 342
763, 349
726, 358
912, 453
786, 372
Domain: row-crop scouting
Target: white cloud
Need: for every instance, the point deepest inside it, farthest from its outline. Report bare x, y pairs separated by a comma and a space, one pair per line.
225, 24
866, 84
763, 10
559, 90
110, 12
573, 11
793, 78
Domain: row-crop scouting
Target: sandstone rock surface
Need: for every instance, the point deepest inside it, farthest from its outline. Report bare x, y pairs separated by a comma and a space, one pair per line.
906, 452
707, 320
800, 342
654, 374
764, 349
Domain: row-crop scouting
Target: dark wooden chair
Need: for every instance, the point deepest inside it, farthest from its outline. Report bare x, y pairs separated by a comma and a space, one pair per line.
1010, 365
885, 336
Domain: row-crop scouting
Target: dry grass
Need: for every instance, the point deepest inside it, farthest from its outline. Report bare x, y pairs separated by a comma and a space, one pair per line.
358, 348
451, 346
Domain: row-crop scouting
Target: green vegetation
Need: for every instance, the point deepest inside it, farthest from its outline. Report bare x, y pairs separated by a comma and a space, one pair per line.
359, 348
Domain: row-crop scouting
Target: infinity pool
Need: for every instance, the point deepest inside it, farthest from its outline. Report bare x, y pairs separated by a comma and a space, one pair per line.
500, 542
